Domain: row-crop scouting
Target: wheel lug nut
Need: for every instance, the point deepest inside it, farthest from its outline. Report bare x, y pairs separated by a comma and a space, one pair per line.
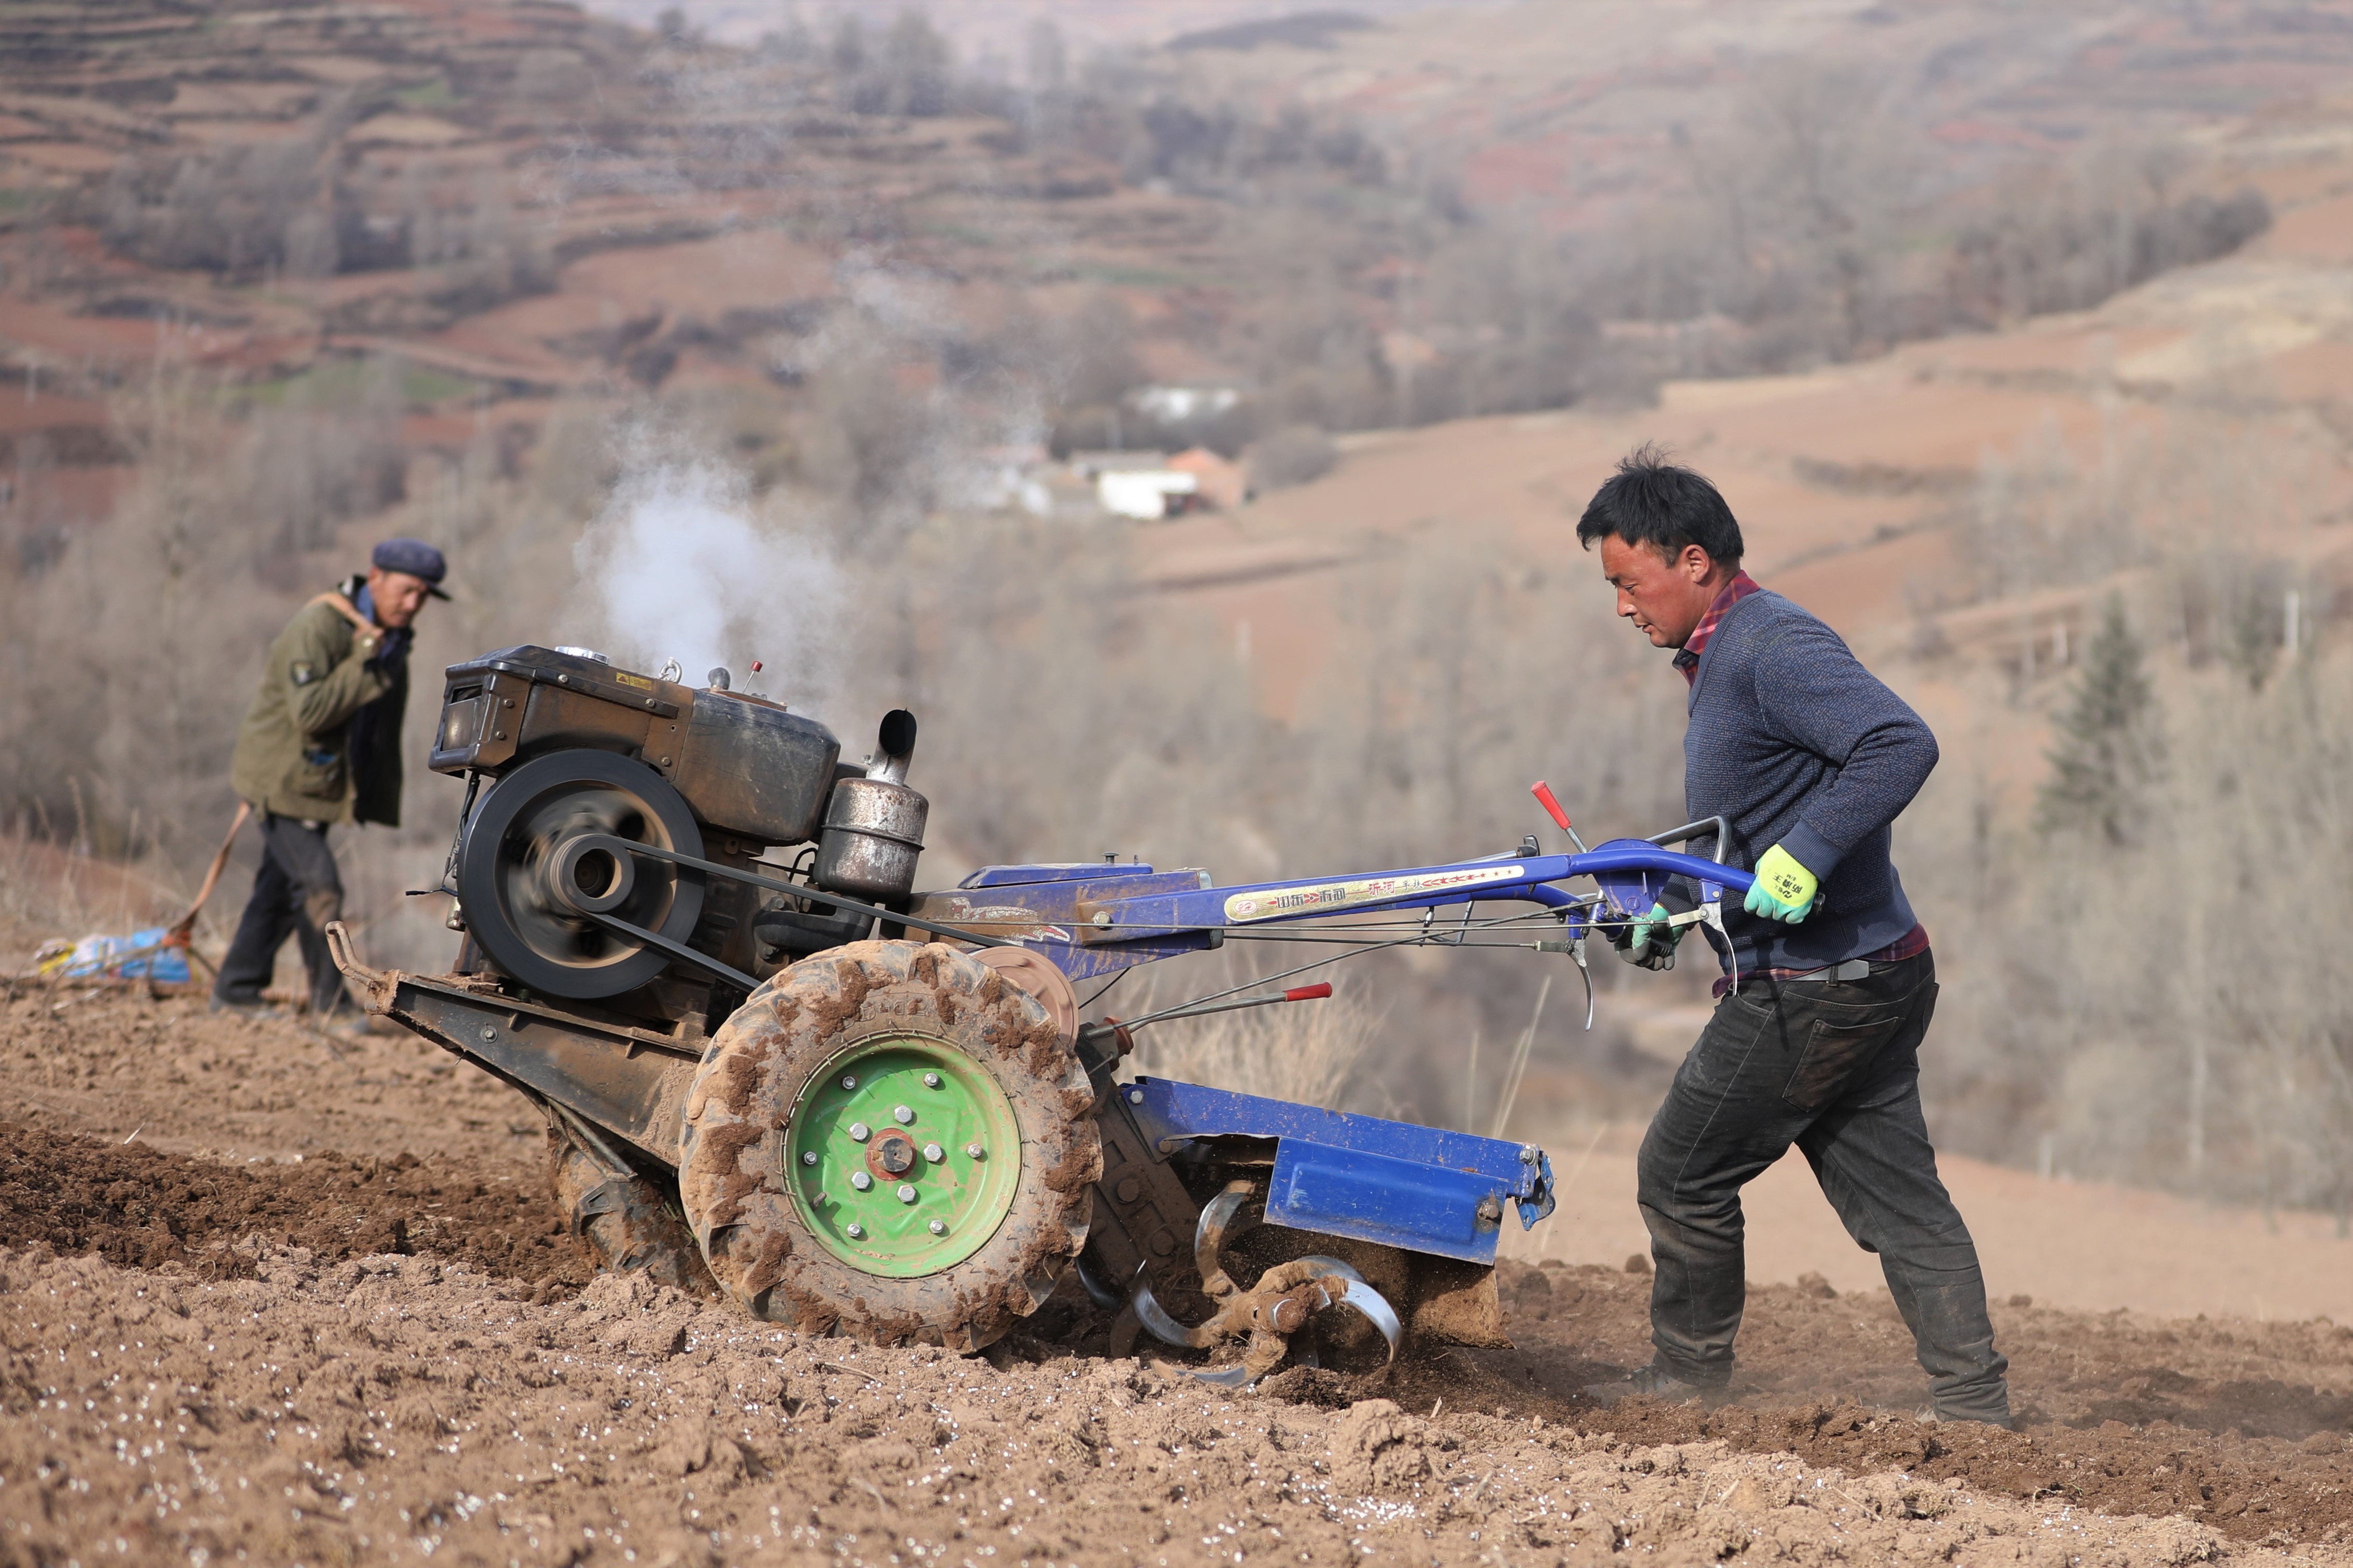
903, 1115
809, 1158
859, 1133
939, 1227
906, 1194
934, 1153
861, 1180
849, 1080
931, 1080
972, 1150
857, 1232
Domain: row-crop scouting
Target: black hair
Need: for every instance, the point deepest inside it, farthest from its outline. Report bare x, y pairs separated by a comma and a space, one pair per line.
1651, 502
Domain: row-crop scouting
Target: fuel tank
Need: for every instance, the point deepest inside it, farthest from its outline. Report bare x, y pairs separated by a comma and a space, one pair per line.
747, 766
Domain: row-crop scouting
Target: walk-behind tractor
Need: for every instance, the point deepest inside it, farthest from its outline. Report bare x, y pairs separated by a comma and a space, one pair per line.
777, 1071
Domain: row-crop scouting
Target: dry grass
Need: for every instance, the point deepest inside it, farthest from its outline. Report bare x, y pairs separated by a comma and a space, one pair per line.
1311, 1053
48, 891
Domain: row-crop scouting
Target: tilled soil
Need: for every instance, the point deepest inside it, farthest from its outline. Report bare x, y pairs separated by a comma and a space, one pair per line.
2241, 1425
114, 1063
143, 1208
345, 1357
396, 1409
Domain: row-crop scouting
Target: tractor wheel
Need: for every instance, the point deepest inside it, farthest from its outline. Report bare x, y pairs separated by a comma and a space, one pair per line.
890, 1141
625, 1221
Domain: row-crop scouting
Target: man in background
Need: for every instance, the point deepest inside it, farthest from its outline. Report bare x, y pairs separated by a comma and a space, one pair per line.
1827, 983
320, 745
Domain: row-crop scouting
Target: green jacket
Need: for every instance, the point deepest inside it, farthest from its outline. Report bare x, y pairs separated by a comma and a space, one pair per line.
294, 751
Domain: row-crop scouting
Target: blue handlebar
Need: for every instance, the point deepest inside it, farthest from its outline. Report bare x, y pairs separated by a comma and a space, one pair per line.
1640, 855
1091, 920
1631, 873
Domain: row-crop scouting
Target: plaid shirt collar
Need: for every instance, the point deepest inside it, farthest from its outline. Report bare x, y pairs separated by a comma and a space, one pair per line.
1687, 656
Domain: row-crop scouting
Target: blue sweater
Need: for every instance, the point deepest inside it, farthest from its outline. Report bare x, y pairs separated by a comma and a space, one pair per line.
1795, 744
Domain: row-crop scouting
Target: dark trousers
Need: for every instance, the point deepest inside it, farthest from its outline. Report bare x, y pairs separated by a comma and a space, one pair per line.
1834, 1068
298, 890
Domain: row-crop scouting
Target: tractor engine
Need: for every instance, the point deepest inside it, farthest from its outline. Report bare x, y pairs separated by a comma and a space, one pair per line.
566, 752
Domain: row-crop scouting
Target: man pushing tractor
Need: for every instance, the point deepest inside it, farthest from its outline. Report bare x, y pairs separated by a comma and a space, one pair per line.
1828, 986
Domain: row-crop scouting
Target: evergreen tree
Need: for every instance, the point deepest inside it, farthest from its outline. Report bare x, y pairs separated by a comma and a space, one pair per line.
2110, 748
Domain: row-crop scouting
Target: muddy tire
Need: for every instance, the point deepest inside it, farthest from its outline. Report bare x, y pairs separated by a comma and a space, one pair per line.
890, 1141
627, 1223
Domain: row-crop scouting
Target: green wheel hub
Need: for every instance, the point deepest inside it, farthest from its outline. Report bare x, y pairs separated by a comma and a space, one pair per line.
912, 1096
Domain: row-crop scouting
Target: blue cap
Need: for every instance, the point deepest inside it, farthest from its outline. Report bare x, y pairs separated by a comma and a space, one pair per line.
415, 557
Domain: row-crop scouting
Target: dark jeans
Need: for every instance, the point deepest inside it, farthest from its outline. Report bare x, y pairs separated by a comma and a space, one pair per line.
1834, 1068
298, 890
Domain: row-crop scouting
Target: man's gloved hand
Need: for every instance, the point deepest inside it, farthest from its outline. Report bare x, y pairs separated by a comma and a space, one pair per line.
1647, 941
1784, 890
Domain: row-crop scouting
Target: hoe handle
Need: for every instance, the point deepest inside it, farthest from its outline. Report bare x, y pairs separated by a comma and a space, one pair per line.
212, 874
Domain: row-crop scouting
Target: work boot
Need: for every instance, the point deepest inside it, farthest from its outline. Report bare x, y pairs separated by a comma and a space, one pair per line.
1997, 1417
256, 1008
1653, 1382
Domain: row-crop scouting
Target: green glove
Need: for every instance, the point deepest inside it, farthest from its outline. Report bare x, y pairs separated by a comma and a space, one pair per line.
1784, 890
1648, 942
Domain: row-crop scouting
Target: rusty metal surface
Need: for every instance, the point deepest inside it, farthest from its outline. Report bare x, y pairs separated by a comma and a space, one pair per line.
519, 699
1285, 1299
1031, 973
749, 767
1438, 1300
1057, 913
623, 1084
629, 1081
873, 837
555, 718
1145, 1219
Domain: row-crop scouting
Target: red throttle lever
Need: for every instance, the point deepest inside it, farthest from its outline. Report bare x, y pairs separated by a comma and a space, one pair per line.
1206, 1005
1553, 808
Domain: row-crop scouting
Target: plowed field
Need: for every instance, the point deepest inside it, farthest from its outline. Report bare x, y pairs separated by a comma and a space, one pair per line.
213, 1351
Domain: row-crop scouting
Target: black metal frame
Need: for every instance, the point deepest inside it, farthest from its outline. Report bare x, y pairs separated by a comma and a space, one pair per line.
614, 845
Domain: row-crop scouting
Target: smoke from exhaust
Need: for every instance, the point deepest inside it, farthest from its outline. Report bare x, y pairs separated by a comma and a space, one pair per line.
678, 567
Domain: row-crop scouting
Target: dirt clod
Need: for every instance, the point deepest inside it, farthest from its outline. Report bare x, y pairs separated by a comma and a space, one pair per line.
1377, 1448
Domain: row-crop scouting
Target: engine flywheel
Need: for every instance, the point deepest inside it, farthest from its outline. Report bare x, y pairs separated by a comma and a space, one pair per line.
533, 893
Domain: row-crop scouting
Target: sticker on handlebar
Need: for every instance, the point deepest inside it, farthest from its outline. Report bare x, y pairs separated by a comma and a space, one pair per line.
1273, 903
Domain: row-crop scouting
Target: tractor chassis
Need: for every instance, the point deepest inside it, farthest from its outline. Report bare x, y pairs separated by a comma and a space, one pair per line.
1397, 1222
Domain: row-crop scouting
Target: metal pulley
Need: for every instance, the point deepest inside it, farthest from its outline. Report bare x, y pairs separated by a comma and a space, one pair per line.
541, 892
